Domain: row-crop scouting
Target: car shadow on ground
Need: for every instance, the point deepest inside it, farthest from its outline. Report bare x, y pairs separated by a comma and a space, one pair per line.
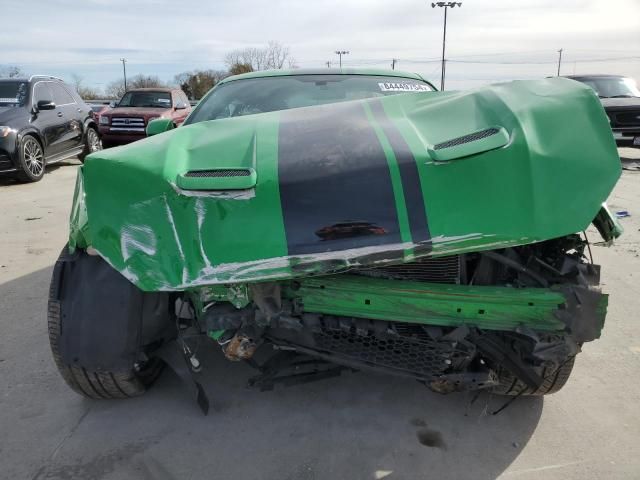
632, 164
7, 179
356, 426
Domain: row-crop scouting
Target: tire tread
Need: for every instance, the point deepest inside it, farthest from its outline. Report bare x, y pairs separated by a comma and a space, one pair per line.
92, 384
553, 381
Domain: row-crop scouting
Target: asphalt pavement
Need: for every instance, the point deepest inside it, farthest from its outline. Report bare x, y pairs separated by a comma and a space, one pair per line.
357, 426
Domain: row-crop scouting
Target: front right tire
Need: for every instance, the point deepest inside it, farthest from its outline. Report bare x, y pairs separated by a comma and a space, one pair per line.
554, 380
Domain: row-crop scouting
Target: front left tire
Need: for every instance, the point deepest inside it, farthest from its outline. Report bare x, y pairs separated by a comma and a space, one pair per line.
92, 143
31, 160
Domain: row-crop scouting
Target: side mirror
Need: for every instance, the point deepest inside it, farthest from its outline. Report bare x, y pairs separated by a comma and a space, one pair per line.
159, 125
180, 106
112, 104
45, 105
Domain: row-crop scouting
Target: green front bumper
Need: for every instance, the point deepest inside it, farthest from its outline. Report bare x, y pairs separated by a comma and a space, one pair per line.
491, 308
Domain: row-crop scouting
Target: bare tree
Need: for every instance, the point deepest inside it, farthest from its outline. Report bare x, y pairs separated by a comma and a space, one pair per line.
86, 93
145, 81
115, 89
11, 71
277, 55
273, 56
238, 68
76, 80
254, 57
198, 82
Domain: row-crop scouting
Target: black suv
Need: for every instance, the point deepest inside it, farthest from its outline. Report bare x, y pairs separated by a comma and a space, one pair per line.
42, 121
620, 98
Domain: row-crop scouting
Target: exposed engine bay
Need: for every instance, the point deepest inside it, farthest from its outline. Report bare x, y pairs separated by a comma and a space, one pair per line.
447, 350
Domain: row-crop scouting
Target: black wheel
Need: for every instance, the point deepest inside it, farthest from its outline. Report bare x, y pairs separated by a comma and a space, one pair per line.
95, 384
554, 380
92, 143
31, 160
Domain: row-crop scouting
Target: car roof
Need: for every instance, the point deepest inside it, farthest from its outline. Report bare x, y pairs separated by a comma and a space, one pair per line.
324, 71
152, 89
32, 78
595, 75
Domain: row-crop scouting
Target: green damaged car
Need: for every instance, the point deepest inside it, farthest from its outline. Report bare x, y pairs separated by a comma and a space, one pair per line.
309, 222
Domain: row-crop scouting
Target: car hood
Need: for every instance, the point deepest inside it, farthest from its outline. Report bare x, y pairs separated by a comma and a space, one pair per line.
620, 102
326, 188
135, 111
11, 116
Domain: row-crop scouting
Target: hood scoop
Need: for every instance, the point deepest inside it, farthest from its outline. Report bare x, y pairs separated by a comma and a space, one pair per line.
218, 179
470, 144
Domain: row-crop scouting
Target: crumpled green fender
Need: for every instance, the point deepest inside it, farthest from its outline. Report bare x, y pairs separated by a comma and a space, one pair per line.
349, 184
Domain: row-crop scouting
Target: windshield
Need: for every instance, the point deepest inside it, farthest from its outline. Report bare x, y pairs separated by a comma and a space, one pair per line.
268, 94
146, 99
613, 87
13, 94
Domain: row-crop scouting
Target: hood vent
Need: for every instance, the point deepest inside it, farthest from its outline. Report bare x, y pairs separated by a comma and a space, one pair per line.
220, 173
466, 139
218, 179
471, 144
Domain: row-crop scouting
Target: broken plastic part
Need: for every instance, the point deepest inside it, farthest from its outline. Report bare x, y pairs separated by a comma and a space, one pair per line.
607, 225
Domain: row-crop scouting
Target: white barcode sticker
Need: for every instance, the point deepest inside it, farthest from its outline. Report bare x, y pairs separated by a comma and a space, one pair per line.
403, 87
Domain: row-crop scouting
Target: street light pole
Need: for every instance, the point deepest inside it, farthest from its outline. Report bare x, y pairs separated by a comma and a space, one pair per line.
124, 69
559, 60
446, 5
340, 53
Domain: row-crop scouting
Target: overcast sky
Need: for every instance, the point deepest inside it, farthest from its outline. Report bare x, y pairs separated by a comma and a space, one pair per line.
507, 38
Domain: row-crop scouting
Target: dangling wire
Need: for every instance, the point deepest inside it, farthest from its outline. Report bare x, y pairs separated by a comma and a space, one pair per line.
584, 232
183, 336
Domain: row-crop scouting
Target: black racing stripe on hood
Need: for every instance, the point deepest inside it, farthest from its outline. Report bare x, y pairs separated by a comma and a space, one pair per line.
409, 175
335, 185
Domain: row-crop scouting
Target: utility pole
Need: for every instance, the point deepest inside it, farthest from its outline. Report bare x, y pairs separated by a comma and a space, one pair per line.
340, 53
446, 5
393, 63
559, 60
124, 69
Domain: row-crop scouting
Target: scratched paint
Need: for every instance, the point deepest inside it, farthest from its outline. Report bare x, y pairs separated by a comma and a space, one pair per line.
549, 181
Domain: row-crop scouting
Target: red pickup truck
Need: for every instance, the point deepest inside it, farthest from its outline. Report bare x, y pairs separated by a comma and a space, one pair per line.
126, 121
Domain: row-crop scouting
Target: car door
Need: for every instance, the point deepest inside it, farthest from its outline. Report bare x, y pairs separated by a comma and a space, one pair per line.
50, 123
72, 131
